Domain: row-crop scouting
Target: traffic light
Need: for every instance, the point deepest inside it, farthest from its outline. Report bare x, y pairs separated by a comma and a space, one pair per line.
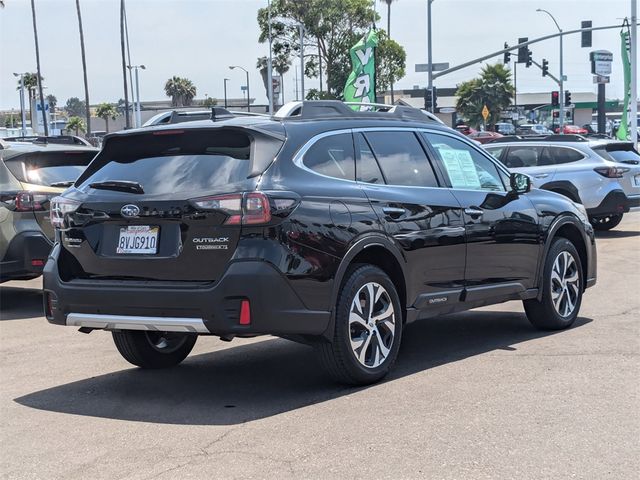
529, 58
555, 98
567, 98
522, 51
545, 67
507, 55
556, 114
586, 36
430, 98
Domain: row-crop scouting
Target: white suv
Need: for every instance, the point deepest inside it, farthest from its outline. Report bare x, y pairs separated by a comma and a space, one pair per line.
603, 175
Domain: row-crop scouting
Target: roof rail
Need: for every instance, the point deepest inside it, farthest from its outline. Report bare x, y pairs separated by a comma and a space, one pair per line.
540, 138
325, 109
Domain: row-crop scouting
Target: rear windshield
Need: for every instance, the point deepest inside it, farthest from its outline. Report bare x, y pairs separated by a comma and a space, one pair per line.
164, 162
619, 153
49, 168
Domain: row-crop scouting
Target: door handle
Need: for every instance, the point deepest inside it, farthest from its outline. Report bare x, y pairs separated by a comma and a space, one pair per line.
541, 175
473, 212
394, 212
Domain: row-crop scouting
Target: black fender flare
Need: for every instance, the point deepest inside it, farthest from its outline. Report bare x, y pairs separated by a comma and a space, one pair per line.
557, 224
566, 186
358, 246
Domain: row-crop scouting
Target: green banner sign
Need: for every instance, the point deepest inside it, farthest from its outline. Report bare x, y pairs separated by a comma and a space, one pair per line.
361, 84
623, 130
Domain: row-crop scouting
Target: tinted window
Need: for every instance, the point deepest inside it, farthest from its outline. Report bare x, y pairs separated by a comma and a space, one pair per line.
174, 163
465, 167
47, 168
621, 155
495, 151
367, 169
526, 156
332, 156
564, 155
402, 159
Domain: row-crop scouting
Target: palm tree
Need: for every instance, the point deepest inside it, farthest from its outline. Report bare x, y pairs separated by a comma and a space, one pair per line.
35, 37
389, 2
30, 84
52, 101
76, 124
106, 111
84, 68
181, 90
281, 64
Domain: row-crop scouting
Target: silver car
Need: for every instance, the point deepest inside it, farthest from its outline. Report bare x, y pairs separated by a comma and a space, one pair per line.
603, 175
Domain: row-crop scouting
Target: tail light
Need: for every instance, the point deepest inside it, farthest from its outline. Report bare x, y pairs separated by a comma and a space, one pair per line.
242, 209
60, 207
25, 201
612, 172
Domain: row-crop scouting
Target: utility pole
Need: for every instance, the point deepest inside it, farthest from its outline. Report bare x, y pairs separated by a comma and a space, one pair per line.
269, 68
429, 56
634, 72
225, 92
35, 37
301, 62
127, 120
561, 114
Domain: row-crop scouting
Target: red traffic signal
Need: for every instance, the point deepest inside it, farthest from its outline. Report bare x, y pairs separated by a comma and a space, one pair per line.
555, 98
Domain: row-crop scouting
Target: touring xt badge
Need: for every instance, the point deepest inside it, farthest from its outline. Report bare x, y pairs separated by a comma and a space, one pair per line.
211, 243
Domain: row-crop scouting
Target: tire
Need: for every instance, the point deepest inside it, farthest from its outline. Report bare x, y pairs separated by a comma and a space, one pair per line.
562, 287
153, 349
606, 222
363, 349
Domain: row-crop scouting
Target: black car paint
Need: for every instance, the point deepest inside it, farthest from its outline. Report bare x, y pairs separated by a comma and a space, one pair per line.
448, 260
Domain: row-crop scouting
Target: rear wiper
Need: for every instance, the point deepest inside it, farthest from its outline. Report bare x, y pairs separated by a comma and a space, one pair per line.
66, 183
119, 186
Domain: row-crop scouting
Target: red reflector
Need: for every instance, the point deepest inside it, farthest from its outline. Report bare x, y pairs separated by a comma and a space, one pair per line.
245, 313
37, 262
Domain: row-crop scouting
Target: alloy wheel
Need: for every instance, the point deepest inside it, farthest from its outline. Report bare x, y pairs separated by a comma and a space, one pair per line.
372, 325
166, 342
565, 284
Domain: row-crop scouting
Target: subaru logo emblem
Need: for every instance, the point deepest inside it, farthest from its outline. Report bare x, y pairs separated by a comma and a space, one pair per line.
130, 211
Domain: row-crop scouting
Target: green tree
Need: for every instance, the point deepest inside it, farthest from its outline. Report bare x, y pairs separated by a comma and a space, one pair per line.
181, 90
76, 124
210, 102
75, 107
30, 85
106, 111
493, 88
332, 28
391, 60
52, 101
281, 64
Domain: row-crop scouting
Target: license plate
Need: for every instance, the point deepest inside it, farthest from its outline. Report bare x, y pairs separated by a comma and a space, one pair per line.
138, 239
636, 180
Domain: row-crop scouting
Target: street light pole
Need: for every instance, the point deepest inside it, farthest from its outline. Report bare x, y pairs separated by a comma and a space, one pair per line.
301, 60
429, 55
225, 92
561, 93
137, 102
23, 113
231, 67
270, 66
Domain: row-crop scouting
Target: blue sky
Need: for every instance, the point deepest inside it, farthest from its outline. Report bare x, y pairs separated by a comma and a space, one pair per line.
198, 39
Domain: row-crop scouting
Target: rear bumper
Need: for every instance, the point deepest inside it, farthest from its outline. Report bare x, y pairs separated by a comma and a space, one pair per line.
25, 249
180, 306
615, 202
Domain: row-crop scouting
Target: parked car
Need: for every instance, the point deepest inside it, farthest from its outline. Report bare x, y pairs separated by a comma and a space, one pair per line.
532, 129
484, 137
505, 128
53, 139
30, 175
180, 116
465, 129
322, 225
603, 175
572, 130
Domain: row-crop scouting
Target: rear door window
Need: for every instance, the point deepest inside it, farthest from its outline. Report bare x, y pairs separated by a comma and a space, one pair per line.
562, 155
367, 168
402, 159
332, 156
525, 156
167, 162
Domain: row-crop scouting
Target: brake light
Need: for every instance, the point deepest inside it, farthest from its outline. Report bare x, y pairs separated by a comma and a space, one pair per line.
25, 201
245, 312
60, 207
612, 172
246, 209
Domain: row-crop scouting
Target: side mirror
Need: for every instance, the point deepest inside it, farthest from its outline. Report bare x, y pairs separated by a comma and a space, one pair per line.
520, 183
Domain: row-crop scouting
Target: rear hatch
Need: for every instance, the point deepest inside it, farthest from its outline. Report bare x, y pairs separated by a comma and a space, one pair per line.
624, 154
43, 174
166, 204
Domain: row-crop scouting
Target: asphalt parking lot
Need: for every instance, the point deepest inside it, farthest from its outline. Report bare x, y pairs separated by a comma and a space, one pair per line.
478, 395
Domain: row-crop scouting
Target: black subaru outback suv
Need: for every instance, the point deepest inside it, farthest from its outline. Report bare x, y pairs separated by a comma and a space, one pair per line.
321, 225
